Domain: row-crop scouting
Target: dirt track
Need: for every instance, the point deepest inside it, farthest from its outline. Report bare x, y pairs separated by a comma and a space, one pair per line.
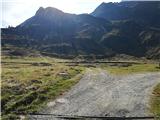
99, 93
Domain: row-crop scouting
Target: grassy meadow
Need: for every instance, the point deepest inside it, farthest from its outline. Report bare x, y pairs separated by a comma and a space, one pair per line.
28, 83
133, 68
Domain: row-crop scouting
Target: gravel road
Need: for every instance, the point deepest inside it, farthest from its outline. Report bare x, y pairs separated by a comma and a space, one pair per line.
99, 93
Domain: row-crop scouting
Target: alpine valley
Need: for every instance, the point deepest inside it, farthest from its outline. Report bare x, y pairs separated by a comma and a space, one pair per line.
131, 28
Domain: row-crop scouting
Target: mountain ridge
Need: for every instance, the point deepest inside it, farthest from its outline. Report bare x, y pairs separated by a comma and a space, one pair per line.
53, 31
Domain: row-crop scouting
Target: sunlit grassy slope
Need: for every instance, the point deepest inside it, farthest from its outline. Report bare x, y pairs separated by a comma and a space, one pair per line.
135, 68
29, 82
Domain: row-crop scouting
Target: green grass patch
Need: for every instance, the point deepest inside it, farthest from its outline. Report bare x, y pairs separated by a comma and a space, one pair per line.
27, 87
134, 68
155, 101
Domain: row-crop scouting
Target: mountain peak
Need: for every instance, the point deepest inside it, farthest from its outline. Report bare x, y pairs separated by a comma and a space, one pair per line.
48, 10
102, 3
109, 3
52, 9
40, 10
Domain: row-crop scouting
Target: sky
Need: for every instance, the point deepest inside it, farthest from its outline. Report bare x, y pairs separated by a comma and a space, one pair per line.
14, 12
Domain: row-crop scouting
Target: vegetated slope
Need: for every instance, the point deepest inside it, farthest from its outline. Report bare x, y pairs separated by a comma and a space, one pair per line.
138, 26
54, 31
130, 28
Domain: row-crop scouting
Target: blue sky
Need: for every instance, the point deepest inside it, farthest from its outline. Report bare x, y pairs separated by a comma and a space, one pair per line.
15, 12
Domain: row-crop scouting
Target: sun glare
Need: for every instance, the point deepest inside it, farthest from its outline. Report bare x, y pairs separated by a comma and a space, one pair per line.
13, 10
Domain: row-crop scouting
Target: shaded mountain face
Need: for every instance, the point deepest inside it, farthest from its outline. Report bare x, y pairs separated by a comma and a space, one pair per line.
113, 28
144, 12
51, 30
133, 20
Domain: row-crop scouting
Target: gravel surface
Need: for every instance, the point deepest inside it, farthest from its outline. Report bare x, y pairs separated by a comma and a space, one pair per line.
101, 94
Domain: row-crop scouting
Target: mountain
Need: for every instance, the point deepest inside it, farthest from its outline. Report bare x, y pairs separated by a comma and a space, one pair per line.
54, 31
113, 28
133, 19
144, 12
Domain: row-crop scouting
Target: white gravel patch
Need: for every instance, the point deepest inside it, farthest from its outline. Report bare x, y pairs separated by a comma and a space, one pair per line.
100, 94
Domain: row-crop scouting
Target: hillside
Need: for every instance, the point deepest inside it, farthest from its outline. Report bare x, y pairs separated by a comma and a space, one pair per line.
130, 28
146, 13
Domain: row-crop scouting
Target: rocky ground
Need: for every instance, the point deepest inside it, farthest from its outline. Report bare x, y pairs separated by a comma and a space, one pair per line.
101, 94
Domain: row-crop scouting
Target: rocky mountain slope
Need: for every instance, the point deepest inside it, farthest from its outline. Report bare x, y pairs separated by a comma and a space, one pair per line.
131, 28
